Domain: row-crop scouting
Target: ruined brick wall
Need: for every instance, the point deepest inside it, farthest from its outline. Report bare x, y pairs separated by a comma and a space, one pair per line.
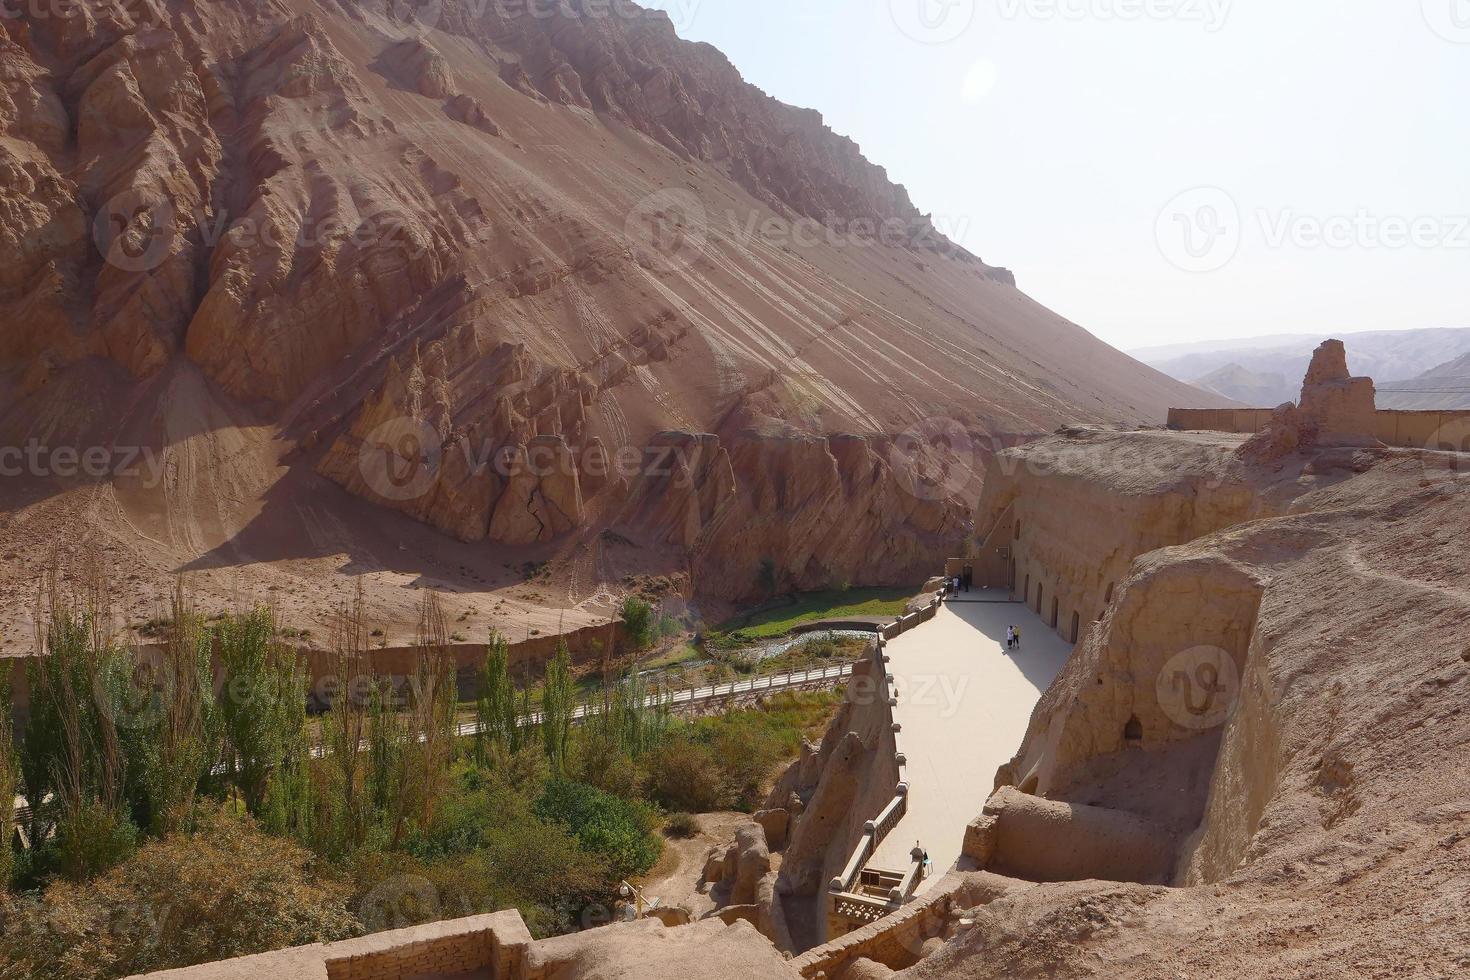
1404, 429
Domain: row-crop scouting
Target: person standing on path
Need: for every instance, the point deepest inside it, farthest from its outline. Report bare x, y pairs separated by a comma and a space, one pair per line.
1010, 637
1018, 637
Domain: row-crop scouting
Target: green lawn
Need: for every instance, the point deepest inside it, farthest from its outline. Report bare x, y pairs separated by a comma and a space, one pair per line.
673, 657
809, 607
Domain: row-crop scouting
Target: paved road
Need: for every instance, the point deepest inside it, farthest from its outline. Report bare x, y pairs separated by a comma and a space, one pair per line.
964, 702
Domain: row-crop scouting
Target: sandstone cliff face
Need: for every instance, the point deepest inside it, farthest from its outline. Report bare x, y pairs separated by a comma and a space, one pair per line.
1073, 511
415, 254
1279, 709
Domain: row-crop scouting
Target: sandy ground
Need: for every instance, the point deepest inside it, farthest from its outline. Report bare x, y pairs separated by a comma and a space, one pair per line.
677, 879
964, 702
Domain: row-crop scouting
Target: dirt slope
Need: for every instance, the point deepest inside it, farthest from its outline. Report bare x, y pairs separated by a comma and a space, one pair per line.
429, 292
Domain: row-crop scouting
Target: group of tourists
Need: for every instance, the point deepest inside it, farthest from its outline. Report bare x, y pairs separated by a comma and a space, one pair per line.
1013, 637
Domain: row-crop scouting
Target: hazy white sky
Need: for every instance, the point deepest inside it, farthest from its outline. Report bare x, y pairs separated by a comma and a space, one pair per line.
1157, 170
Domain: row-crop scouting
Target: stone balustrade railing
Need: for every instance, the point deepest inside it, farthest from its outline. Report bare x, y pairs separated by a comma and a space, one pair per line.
905, 623
911, 878
844, 897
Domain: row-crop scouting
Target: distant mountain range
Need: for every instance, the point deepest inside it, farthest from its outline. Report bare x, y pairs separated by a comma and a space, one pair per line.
1266, 371
1444, 387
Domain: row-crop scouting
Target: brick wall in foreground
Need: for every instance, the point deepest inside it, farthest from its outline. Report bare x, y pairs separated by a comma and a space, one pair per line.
495, 945
1410, 430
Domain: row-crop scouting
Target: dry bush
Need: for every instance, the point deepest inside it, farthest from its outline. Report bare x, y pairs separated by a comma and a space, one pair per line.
228, 890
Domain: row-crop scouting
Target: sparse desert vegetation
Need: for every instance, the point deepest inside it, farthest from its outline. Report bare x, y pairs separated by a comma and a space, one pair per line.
195, 810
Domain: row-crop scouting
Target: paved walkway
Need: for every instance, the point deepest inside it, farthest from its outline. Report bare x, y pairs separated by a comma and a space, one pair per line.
964, 701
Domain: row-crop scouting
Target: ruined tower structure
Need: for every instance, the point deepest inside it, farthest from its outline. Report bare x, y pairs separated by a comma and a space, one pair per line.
1342, 408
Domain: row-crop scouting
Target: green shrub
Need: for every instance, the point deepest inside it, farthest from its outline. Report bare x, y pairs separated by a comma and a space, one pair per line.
724, 762
683, 774
749, 752
487, 850
638, 625
621, 831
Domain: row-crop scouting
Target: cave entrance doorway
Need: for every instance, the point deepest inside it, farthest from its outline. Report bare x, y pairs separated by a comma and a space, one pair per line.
1076, 627
1056, 611
1040, 592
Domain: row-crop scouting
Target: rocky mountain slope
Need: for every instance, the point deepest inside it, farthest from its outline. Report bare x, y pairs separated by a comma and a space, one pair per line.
1247, 387
443, 293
